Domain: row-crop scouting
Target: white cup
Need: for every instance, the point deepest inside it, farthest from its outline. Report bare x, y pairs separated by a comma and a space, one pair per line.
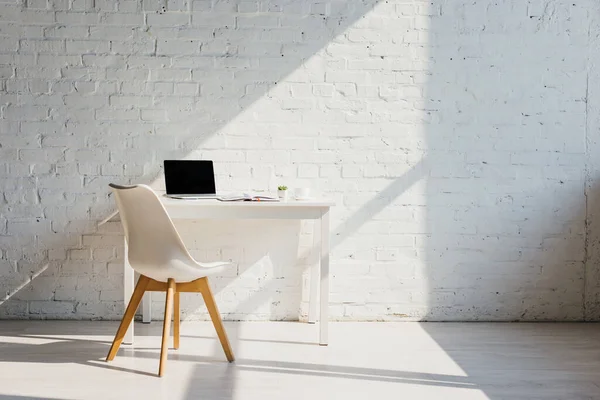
302, 193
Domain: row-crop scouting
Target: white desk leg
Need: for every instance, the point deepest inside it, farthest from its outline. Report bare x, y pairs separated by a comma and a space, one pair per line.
324, 318
128, 284
314, 274
147, 308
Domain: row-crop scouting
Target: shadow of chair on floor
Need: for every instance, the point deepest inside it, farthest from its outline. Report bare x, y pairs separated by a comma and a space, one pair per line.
49, 346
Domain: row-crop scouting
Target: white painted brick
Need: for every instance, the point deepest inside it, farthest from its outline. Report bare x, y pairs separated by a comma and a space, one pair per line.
258, 21
117, 115
170, 74
26, 113
103, 61
186, 89
130, 101
85, 155
122, 18
161, 88
87, 47
177, 47
79, 5
138, 47
61, 87
82, 101
168, 19
103, 255
77, 18
308, 171
154, 115
106, 5
62, 31
52, 308
129, 6
351, 77
85, 87
35, 17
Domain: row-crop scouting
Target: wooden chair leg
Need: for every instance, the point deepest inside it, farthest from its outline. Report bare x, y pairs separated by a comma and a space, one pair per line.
166, 326
176, 320
132, 307
209, 300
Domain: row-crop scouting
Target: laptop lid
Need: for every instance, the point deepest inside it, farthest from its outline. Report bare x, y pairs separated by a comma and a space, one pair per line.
189, 177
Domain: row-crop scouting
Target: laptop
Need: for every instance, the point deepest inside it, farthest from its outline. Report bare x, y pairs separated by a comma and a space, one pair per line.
190, 179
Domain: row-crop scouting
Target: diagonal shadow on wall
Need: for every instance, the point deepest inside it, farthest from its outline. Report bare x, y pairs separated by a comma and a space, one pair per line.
131, 122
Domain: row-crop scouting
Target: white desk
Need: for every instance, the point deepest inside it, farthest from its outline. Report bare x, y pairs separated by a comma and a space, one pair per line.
215, 209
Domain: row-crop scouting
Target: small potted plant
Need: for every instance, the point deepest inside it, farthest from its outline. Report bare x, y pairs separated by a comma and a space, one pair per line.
282, 192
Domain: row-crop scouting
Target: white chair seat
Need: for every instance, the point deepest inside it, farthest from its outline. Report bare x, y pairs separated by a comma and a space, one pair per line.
184, 271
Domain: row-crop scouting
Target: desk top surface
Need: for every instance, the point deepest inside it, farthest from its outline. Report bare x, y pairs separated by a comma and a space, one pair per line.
191, 207
170, 202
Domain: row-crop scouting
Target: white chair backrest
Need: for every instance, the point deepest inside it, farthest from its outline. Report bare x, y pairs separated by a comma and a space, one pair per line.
153, 241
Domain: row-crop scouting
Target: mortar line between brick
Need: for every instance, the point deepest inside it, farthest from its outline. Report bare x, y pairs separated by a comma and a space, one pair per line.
585, 194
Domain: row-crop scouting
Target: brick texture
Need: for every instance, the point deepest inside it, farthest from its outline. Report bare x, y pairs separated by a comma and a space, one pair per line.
458, 138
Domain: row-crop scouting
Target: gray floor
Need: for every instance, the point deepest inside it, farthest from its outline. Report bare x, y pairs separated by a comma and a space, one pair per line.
64, 360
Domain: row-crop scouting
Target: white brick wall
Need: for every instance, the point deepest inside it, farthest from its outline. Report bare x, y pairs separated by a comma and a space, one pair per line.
459, 139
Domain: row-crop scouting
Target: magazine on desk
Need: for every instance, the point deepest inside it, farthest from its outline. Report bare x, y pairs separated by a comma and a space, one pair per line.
247, 197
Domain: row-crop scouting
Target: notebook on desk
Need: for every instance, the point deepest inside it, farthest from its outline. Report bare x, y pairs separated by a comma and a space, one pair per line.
190, 179
247, 197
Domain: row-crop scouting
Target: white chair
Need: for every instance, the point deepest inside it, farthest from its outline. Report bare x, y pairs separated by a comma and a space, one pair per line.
158, 254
